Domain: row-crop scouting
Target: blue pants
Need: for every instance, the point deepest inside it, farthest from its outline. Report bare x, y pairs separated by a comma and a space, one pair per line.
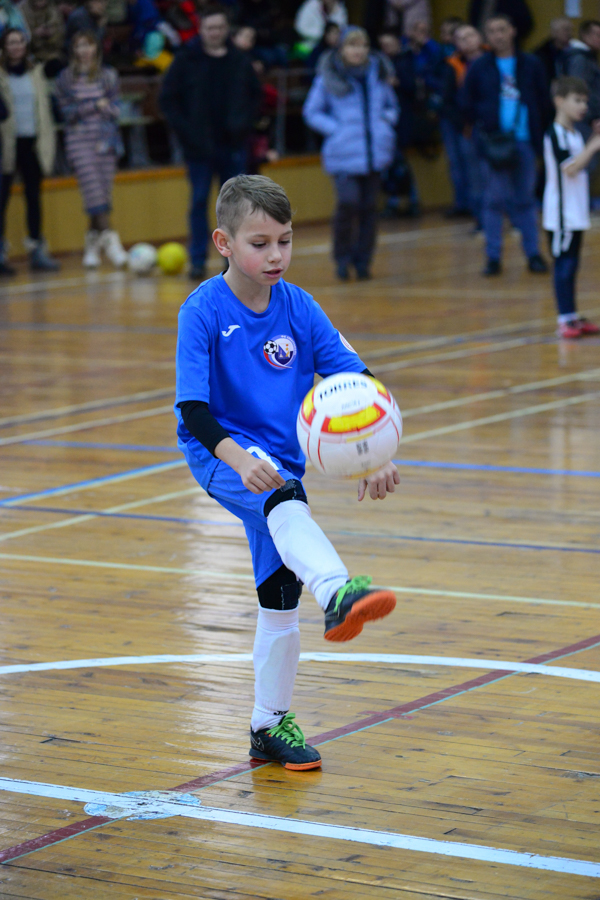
565, 275
226, 486
511, 190
458, 164
225, 164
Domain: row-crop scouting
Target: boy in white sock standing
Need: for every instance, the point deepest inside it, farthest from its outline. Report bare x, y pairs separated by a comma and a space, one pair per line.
567, 198
248, 349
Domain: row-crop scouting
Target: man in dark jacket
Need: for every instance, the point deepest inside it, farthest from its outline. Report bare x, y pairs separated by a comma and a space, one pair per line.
506, 92
210, 97
582, 62
553, 52
481, 11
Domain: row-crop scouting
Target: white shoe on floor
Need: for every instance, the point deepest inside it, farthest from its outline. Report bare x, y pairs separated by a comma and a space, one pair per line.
91, 252
112, 246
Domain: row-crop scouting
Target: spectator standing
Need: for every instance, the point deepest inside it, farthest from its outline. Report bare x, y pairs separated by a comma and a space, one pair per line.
399, 180
480, 11
211, 98
28, 142
447, 31
47, 28
506, 98
313, 16
553, 51
567, 199
88, 95
398, 16
463, 163
91, 16
329, 41
352, 103
11, 17
582, 62
263, 17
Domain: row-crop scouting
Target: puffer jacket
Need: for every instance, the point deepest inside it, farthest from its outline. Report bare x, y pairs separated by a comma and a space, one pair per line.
357, 117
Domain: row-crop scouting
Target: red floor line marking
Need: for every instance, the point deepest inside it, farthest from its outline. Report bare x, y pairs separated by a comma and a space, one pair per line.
54, 837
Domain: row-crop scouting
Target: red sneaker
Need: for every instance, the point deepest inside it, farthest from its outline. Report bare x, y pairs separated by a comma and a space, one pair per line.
587, 327
569, 331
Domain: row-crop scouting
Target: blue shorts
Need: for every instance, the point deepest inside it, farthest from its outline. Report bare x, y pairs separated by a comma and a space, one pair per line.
226, 486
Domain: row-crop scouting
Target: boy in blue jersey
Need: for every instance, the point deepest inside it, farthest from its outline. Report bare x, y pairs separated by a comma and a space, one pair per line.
248, 348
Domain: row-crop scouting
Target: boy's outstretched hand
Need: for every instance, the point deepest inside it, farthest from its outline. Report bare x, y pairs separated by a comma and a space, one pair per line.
379, 483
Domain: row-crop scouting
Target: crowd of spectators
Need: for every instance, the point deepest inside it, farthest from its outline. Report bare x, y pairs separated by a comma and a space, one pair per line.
470, 90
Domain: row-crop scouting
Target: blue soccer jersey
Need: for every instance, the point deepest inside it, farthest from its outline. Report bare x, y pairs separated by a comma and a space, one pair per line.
254, 369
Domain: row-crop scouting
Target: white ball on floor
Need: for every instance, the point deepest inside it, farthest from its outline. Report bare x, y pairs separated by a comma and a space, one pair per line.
142, 259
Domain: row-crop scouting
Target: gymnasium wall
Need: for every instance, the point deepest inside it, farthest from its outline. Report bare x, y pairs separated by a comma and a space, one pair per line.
151, 204
543, 12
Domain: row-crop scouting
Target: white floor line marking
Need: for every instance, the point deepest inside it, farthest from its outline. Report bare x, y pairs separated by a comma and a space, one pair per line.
501, 417
92, 484
590, 375
121, 805
129, 567
59, 283
395, 659
83, 426
224, 576
501, 346
398, 237
86, 407
86, 517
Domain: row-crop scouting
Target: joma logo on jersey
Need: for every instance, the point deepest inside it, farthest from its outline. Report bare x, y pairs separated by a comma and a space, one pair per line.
280, 352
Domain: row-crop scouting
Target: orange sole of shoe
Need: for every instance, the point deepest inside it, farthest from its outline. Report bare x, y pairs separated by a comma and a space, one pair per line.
295, 768
375, 606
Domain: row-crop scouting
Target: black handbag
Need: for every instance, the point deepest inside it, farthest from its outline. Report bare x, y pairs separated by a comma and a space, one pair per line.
500, 147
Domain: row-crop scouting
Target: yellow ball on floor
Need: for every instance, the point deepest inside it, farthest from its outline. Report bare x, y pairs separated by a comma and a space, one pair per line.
172, 258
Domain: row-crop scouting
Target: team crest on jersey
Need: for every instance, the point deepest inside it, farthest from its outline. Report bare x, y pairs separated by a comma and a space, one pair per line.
280, 352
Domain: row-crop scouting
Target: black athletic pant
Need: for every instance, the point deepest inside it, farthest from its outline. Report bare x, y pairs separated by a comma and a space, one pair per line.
565, 274
29, 168
355, 218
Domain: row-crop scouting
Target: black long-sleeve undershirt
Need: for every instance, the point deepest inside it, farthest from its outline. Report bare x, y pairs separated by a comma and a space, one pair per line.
202, 425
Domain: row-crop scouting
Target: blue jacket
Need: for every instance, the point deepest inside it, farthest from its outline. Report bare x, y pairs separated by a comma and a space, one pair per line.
480, 97
356, 117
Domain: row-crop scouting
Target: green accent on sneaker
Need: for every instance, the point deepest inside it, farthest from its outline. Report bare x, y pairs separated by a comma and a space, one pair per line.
289, 731
358, 583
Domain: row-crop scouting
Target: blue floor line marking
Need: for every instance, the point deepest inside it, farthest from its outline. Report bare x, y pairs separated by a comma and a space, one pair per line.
360, 534
581, 473
97, 445
12, 501
118, 515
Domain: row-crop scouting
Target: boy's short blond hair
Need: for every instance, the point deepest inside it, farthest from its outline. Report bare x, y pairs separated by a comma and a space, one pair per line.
246, 194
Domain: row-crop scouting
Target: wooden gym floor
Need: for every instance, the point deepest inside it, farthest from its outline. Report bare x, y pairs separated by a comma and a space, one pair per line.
450, 768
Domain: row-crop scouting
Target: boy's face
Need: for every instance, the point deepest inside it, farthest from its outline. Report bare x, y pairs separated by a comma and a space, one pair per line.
261, 249
573, 106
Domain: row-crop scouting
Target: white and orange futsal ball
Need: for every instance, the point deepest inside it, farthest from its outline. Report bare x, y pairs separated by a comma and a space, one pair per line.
349, 425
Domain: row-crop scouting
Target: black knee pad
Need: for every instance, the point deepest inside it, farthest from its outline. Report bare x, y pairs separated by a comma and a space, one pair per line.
291, 490
281, 590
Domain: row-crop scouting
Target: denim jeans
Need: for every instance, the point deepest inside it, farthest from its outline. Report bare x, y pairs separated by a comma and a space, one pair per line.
511, 191
225, 164
355, 218
458, 163
565, 274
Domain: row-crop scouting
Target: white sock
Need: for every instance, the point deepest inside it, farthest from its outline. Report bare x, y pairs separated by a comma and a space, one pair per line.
276, 655
306, 550
568, 317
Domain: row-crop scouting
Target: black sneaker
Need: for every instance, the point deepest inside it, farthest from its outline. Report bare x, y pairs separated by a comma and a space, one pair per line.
363, 273
537, 264
353, 605
285, 744
492, 267
343, 273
